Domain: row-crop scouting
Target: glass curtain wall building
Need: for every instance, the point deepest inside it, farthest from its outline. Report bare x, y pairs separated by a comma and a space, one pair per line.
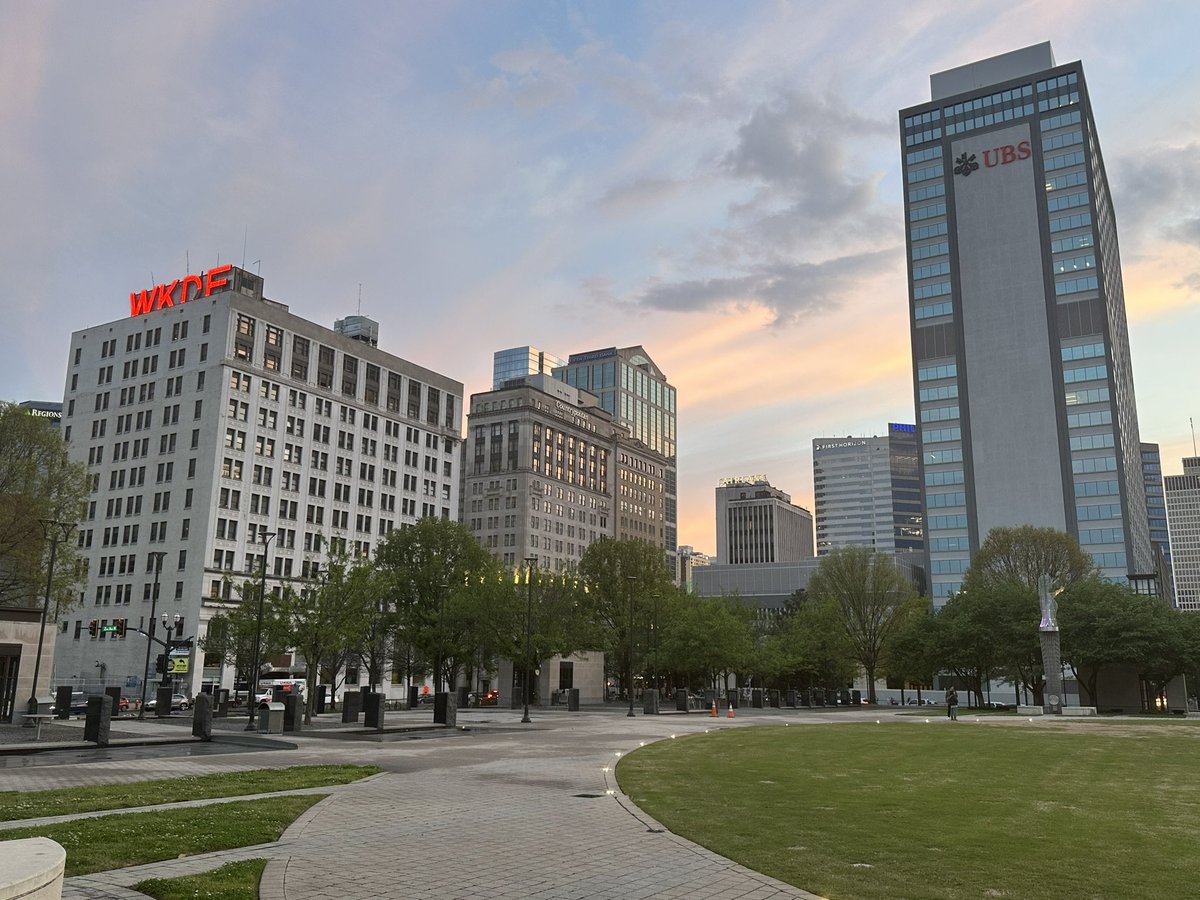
637, 394
1021, 369
519, 362
868, 491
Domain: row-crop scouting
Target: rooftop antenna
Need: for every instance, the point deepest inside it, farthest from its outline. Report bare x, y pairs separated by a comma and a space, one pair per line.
245, 234
360, 302
1193, 427
187, 257
258, 262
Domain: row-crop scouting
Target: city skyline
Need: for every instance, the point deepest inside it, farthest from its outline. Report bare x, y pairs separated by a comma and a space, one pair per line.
719, 186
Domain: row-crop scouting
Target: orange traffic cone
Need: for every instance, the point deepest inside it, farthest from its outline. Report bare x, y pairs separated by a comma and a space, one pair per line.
713, 714
731, 709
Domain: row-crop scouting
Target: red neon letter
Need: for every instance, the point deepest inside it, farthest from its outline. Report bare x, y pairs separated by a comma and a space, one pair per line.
139, 303
195, 281
164, 294
212, 279
1023, 151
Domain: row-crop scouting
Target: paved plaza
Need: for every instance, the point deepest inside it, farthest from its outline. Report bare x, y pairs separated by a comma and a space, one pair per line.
499, 810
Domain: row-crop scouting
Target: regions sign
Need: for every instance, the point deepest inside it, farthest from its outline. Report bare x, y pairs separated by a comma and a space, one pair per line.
180, 291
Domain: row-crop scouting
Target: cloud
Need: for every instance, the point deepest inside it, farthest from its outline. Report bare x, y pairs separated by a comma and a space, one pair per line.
789, 290
1158, 187
637, 195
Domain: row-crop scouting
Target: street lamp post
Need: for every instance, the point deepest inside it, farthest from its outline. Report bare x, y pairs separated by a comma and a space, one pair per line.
158, 557
630, 685
530, 562
48, 529
170, 624
252, 679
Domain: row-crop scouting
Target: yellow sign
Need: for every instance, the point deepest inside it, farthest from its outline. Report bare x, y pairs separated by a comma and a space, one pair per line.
177, 665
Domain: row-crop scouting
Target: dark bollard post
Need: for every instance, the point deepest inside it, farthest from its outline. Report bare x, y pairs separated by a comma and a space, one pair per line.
162, 702
221, 703
460, 696
790, 698
293, 712
62, 702
351, 706
650, 701
756, 698
99, 717
445, 710
322, 690
373, 711
573, 700
732, 695
202, 716
681, 700
414, 696
114, 693
775, 700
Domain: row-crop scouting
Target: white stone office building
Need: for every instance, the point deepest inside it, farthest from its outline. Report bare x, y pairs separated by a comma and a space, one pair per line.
758, 523
1021, 367
211, 417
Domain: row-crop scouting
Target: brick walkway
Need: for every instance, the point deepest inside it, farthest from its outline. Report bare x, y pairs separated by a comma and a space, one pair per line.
495, 812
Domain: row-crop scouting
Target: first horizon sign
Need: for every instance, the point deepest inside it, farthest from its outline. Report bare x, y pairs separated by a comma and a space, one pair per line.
180, 291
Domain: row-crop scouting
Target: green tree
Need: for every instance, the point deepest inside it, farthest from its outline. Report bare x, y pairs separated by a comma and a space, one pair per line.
433, 569
326, 617
910, 653
618, 574
1104, 624
230, 633
870, 594
962, 643
38, 482
705, 639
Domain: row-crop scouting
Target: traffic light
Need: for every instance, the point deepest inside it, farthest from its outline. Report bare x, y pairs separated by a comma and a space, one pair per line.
121, 624
93, 627
160, 663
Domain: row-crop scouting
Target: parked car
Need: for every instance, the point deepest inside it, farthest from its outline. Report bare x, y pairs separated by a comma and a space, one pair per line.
178, 701
925, 701
487, 698
425, 698
78, 703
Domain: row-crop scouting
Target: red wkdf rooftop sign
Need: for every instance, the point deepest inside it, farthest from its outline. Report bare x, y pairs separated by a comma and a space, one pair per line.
180, 291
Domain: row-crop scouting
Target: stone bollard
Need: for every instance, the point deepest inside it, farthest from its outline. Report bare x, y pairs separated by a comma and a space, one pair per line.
221, 703
62, 702
681, 700
731, 694
776, 702
162, 702
351, 706
322, 690
373, 711
445, 711
461, 695
756, 698
414, 696
202, 716
99, 717
573, 700
115, 694
293, 712
650, 701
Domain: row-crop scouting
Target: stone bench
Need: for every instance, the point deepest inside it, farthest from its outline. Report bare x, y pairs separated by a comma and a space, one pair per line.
1079, 710
31, 869
1030, 711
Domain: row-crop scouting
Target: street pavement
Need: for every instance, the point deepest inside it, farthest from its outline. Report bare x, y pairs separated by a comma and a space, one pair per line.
497, 810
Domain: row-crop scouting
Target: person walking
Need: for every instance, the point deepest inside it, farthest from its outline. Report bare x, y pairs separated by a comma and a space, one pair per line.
952, 705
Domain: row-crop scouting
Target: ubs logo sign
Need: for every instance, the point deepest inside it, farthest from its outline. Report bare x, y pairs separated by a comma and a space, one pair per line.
996, 156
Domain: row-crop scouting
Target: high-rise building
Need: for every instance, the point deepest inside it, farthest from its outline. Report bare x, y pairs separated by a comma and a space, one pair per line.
1021, 370
518, 362
690, 559
1183, 518
212, 419
868, 491
635, 392
547, 471
51, 412
758, 523
1156, 514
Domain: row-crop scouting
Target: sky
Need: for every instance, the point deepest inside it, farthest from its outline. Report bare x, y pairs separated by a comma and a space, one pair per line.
718, 182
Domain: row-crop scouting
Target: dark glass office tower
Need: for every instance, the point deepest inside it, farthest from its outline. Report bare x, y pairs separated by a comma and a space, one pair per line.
1021, 369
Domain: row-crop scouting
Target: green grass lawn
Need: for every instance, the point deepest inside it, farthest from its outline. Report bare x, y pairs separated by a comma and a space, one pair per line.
131, 839
65, 801
909, 810
235, 881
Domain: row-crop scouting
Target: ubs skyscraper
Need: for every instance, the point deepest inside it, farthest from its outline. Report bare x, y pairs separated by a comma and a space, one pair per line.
1021, 369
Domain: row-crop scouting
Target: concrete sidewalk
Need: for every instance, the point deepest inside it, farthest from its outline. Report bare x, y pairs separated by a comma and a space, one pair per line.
499, 811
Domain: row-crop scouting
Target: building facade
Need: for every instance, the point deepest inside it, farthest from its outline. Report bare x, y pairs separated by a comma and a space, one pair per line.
1183, 519
689, 559
636, 393
213, 419
868, 491
518, 362
1021, 369
758, 523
